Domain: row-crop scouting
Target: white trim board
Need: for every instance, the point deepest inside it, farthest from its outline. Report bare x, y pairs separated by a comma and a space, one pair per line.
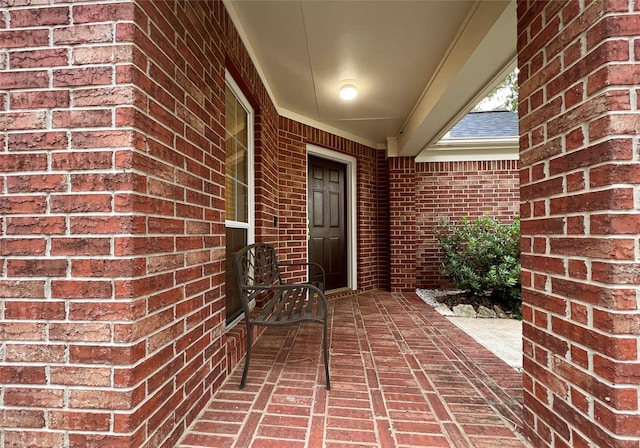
351, 196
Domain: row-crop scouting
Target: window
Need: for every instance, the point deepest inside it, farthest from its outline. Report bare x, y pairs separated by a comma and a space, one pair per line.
239, 187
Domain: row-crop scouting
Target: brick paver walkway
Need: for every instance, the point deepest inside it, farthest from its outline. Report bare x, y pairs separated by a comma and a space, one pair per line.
401, 374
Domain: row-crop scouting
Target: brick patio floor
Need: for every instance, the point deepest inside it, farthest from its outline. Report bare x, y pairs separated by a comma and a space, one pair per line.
401, 376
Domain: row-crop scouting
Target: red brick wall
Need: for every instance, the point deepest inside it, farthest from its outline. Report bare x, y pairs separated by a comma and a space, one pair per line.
403, 243
579, 124
113, 217
452, 191
72, 272
384, 225
423, 194
370, 203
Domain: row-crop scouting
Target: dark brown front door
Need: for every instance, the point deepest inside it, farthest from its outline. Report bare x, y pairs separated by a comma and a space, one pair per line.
327, 219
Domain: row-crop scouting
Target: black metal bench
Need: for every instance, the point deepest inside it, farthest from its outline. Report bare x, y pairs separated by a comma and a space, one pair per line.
258, 272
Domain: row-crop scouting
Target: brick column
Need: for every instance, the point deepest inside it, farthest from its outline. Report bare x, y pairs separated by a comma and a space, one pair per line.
402, 217
63, 264
112, 221
580, 179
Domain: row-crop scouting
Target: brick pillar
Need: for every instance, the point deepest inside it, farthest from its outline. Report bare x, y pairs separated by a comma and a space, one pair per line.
580, 179
62, 267
402, 213
111, 224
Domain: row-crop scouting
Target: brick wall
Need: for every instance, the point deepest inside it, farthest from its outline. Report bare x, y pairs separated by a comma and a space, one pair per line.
112, 216
579, 125
112, 271
452, 191
266, 169
370, 203
403, 242
422, 194
71, 334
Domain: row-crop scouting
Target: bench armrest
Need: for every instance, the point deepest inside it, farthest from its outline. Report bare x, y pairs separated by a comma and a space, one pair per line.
311, 266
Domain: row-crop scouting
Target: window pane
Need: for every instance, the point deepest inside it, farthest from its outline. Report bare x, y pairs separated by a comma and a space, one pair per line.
241, 130
236, 240
230, 199
242, 201
236, 158
230, 112
241, 165
230, 146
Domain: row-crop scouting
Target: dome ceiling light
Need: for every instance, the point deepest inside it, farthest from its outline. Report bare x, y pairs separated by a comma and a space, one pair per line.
348, 92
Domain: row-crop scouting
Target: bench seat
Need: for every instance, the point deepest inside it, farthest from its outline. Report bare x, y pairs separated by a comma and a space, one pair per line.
258, 272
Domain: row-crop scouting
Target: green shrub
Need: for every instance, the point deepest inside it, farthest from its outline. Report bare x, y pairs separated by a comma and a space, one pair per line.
483, 256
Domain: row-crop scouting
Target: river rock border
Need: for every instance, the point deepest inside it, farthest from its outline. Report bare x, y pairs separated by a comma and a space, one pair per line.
431, 296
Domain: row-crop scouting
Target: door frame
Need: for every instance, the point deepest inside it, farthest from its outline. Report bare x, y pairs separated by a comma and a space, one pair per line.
350, 163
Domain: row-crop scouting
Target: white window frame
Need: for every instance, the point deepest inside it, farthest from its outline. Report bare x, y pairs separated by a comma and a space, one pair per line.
249, 226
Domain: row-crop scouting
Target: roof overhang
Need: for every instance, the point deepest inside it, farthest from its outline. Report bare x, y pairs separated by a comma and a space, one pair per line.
468, 149
421, 66
455, 89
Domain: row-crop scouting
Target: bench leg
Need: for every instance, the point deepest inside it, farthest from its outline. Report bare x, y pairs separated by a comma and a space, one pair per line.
247, 358
326, 354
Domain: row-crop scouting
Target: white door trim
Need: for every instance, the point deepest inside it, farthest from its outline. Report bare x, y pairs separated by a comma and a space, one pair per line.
351, 218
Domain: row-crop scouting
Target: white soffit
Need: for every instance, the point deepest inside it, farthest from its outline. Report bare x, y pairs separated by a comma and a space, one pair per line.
455, 90
403, 56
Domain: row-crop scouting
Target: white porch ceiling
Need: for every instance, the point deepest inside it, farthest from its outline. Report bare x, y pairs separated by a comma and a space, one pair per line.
419, 66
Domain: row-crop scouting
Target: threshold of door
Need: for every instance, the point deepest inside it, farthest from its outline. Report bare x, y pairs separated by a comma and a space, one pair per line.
339, 292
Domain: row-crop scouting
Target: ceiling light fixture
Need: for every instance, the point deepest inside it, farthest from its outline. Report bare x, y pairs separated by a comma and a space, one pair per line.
348, 92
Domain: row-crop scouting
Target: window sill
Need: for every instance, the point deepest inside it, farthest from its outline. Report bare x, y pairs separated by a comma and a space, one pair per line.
237, 320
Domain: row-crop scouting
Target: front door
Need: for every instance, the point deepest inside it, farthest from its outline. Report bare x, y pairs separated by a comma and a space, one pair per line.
327, 219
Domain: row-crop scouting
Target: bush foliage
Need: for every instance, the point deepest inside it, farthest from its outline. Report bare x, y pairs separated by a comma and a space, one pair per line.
483, 256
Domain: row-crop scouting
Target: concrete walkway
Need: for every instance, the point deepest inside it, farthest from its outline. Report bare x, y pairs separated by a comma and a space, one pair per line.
402, 376
503, 337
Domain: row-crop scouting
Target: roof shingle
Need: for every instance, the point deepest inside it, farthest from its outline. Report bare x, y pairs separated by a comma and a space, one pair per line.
486, 124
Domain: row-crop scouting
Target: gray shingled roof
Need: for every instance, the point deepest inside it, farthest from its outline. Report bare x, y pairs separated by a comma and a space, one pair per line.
487, 124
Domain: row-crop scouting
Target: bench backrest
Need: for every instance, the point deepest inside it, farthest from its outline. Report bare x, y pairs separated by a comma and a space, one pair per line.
255, 265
